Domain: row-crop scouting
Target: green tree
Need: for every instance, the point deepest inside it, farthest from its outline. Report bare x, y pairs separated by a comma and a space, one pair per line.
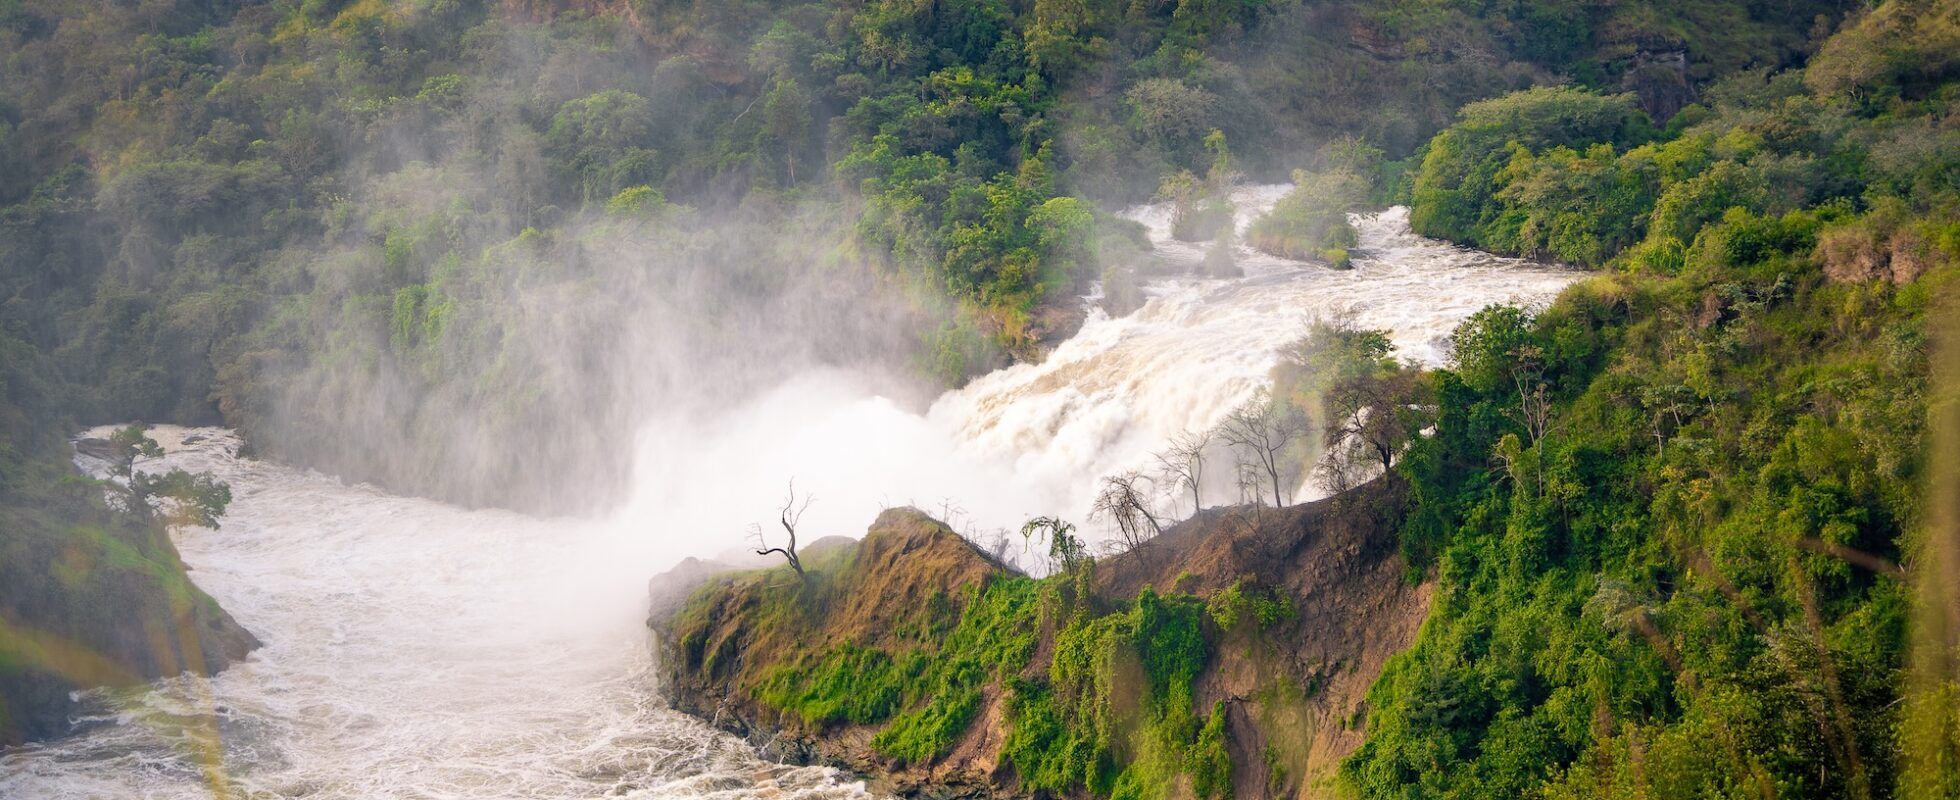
129, 443
786, 120
1457, 186
187, 498
602, 140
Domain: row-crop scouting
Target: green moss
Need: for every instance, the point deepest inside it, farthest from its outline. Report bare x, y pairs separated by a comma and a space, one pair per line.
1276, 771
928, 695
1209, 762
994, 638
1094, 725
930, 730
1112, 714
1050, 751
849, 684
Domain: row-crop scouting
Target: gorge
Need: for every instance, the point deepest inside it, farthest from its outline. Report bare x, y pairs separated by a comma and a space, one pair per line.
413, 648
1143, 400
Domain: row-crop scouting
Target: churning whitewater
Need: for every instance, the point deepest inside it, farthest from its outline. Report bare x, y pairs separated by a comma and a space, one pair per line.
412, 649
1032, 439
417, 650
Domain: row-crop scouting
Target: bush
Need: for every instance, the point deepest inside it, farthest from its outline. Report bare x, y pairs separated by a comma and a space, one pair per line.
1311, 221
636, 201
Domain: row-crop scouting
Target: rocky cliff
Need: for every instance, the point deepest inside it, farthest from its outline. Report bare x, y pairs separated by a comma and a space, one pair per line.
1336, 562
914, 658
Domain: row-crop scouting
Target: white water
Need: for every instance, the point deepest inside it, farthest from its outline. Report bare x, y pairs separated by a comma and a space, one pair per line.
416, 650
1032, 439
412, 650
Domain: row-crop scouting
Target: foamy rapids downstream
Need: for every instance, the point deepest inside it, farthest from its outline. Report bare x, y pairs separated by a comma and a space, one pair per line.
417, 650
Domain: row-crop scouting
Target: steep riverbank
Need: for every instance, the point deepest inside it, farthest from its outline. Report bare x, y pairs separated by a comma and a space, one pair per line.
1231, 654
93, 597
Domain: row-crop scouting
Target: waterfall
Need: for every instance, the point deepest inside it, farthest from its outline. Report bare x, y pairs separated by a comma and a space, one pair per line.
414, 649
1034, 439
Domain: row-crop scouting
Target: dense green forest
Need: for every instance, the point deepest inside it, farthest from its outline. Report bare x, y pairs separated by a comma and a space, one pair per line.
1669, 517
1675, 519
337, 226
1668, 513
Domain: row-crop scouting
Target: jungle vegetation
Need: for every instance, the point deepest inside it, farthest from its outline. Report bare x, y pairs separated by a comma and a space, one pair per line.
1672, 518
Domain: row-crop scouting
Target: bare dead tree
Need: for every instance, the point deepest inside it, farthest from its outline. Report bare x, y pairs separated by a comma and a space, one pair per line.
1245, 475
790, 515
951, 513
1126, 504
1262, 429
1534, 409
1181, 464
997, 543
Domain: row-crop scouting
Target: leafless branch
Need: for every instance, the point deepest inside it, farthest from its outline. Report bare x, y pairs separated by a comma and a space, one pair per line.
1125, 502
790, 515
1181, 464
1262, 429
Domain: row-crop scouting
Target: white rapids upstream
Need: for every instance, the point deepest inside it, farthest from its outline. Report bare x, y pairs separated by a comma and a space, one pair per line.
417, 650
1033, 439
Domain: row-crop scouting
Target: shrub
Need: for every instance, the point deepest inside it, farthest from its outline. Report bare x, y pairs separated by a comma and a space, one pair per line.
1311, 221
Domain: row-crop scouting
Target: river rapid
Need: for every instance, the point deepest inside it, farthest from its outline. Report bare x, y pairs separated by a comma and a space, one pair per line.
417, 650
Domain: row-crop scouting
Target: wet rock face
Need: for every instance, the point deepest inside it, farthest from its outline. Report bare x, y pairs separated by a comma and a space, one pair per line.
1338, 563
1867, 252
96, 448
1660, 79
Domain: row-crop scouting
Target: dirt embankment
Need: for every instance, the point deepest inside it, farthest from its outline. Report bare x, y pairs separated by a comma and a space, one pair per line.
1298, 690
1294, 691
722, 633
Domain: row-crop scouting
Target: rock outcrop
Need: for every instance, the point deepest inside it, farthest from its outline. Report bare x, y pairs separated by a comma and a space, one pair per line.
1338, 563
716, 647
1293, 691
1659, 77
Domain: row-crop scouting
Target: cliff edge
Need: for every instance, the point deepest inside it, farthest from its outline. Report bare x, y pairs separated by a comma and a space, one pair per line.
1228, 657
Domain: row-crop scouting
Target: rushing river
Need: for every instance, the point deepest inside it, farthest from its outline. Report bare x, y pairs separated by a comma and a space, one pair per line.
417, 650
1032, 439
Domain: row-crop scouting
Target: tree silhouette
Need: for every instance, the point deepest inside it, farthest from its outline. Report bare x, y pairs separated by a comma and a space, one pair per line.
790, 515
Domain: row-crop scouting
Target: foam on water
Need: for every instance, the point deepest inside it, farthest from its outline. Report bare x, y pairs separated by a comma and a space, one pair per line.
412, 650
416, 650
1034, 438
